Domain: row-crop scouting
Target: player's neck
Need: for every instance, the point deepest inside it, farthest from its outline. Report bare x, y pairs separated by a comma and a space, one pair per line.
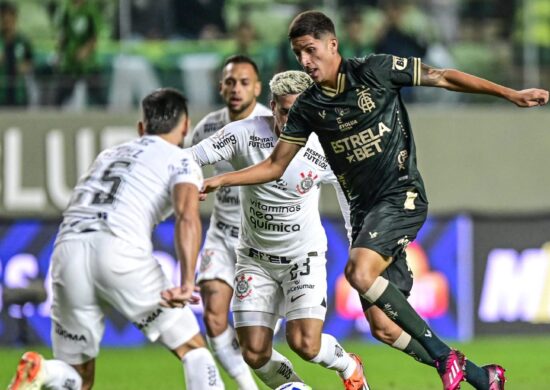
172, 138
237, 116
332, 79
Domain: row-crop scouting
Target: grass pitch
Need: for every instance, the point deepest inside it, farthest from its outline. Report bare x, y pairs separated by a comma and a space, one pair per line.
526, 359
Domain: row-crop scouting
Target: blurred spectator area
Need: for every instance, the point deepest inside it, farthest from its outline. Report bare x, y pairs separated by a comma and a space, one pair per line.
144, 44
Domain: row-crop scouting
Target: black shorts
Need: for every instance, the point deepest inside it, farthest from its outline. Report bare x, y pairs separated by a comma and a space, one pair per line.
387, 228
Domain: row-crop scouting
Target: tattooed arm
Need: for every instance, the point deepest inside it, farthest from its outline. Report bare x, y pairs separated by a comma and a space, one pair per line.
455, 80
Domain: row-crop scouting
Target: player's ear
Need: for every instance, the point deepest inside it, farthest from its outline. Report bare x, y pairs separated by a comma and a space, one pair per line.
258, 88
185, 125
333, 45
272, 105
141, 128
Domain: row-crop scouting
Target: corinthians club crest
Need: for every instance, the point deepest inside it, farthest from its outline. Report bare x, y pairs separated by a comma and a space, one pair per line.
306, 183
242, 286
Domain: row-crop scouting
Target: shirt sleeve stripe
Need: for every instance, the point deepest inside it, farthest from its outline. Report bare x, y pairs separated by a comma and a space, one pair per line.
416, 71
293, 140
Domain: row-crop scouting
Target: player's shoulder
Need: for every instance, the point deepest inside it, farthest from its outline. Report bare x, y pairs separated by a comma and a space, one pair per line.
210, 123
313, 143
249, 125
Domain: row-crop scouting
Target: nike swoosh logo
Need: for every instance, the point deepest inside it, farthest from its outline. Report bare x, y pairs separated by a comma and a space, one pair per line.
292, 299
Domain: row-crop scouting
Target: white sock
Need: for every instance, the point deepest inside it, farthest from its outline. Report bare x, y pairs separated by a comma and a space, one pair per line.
332, 356
227, 351
277, 371
200, 370
60, 375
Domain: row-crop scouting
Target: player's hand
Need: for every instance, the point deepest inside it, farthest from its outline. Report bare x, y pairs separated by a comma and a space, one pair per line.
211, 184
530, 97
179, 296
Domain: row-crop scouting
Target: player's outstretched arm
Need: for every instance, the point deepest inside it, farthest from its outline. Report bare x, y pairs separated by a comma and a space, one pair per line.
187, 237
268, 170
455, 80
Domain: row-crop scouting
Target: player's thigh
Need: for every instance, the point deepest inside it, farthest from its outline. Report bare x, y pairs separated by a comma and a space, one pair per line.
77, 320
217, 258
131, 280
304, 285
216, 296
387, 229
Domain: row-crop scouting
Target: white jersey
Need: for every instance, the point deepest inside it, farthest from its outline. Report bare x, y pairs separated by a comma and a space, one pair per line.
226, 204
128, 190
280, 219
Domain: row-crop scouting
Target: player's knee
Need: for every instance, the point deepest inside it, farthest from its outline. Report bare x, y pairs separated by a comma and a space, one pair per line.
307, 346
255, 357
215, 323
359, 276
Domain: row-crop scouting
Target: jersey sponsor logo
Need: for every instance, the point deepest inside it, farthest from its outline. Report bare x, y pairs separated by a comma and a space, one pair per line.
68, 335
261, 217
228, 196
362, 145
341, 111
267, 257
233, 231
401, 159
364, 100
316, 158
213, 127
221, 140
243, 288
399, 63
181, 169
145, 322
322, 114
261, 142
299, 287
307, 182
280, 184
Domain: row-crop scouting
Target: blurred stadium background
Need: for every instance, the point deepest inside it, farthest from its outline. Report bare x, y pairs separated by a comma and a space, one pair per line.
482, 262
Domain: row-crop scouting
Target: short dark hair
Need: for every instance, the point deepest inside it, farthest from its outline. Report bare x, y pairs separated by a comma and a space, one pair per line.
312, 23
241, 59
7, 7
162, 110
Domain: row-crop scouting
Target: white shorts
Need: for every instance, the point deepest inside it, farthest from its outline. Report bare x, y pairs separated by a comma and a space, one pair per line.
218, 257
294, 291
97, 268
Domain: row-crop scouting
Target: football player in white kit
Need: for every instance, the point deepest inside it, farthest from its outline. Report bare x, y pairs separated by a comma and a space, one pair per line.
103, 252
281, 264
239, 87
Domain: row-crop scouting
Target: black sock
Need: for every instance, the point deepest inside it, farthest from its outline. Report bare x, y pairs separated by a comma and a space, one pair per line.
398, 309
476, 376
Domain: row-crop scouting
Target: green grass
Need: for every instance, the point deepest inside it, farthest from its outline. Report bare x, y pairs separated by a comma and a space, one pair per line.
526, 360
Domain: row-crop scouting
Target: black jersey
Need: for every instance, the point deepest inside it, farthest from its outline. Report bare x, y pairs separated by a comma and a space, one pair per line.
363, 127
